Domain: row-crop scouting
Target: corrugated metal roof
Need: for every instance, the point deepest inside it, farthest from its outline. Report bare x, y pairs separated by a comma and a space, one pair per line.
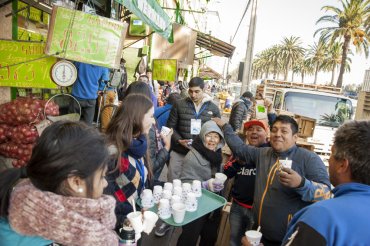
214, 45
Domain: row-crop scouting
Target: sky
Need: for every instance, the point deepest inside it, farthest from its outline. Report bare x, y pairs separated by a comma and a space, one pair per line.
276, 19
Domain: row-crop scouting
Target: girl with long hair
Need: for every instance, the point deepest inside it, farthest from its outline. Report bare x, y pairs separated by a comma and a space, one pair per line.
58, 197
130, 171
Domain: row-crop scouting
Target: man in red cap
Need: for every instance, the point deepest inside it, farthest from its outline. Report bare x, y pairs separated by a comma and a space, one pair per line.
241, 214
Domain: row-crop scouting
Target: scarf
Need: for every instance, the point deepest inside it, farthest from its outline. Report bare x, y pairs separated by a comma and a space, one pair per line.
214, 157
64, 220
138, 147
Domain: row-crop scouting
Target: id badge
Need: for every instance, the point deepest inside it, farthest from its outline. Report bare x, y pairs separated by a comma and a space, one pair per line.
195, 126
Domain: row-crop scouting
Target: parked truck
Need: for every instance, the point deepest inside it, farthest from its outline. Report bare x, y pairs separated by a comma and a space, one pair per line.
324, 104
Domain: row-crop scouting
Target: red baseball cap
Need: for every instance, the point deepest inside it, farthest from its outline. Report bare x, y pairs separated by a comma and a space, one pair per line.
260, 123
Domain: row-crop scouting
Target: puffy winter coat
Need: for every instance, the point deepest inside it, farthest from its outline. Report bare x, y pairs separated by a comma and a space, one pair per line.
159, 157
239, 113
180, 117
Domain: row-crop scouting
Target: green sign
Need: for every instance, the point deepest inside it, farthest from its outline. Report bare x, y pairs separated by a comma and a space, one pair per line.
152, 14
137, 27
164, 69
87, 38
32, 69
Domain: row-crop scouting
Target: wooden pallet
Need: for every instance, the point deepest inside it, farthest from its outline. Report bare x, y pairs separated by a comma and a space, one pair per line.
295, 85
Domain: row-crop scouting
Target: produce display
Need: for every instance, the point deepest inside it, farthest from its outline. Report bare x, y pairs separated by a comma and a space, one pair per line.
223, 95
18, 133
3, 131
26, 111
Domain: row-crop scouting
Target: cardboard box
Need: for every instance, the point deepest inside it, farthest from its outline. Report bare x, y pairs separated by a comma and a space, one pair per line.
306, 126
223, 238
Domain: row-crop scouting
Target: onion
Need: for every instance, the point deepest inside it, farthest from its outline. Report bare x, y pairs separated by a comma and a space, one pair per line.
26, 110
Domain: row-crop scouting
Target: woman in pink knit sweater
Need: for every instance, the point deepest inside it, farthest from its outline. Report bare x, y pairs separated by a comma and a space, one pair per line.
58, 197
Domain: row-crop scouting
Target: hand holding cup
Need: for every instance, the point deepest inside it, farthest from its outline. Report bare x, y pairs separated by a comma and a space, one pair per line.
166, 134
136, 221
253, 237
150, 218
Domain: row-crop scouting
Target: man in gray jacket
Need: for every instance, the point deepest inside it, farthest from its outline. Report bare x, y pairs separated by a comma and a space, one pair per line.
280, 191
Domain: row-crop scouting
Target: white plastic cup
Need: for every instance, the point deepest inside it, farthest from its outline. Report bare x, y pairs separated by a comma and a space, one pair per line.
136, 220
147, 199
177, 191
168, 186
286, 163
150, 218
178, 210
186, 188
157, 189
253, 237
176, 183
175, 199
146, 192
157, 193
191, 202
196, 187
165, 130
167, 194
220, 178
164, 209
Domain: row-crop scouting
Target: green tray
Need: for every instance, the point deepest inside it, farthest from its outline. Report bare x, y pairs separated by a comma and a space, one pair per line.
208, 202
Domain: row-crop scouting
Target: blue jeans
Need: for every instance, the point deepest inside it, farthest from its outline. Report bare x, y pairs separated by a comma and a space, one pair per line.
241, 220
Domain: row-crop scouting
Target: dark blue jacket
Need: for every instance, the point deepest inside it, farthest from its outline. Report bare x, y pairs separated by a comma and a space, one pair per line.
162, 114
343, 220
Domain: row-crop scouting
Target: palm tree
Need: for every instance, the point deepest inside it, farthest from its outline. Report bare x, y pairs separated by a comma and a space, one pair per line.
304, 67
333, 60
260, 66
297, 68
351, 22
275, 59
263, 62
290, 51
317, 55
256, 69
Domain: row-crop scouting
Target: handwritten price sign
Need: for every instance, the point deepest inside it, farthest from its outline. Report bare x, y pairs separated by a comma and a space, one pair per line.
31, 72
83, 37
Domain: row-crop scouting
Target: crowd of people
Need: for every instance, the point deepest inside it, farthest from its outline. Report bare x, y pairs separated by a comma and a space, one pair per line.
81, 184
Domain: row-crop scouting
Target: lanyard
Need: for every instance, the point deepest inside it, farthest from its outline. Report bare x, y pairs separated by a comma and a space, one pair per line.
140, 168
200, 111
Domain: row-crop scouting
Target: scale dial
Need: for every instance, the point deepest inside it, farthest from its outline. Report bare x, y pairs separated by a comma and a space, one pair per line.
64, 73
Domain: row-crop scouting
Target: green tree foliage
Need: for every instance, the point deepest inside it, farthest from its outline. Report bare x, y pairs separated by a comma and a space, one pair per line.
348, 23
